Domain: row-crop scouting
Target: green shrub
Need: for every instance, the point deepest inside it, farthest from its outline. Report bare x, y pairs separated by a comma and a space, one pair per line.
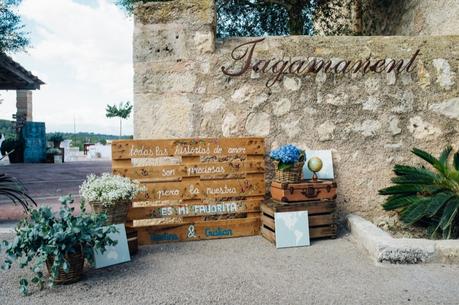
427, 196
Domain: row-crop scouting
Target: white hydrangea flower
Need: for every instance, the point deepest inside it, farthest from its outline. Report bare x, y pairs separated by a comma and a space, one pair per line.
109, 189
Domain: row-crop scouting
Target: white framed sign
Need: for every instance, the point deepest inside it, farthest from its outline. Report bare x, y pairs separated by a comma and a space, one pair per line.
292, 229
114, 254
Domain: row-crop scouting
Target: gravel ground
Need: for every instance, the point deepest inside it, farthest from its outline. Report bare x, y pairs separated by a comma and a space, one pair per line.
249, 271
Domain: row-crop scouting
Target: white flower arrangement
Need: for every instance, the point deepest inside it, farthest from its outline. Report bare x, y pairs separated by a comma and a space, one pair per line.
109, 189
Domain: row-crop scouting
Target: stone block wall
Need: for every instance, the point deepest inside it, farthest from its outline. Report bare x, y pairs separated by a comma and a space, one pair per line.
371, 121
410, 17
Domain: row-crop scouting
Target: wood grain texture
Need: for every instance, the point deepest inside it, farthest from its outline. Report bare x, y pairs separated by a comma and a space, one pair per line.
202, 189
198, 208
128, 149
200, 231
207, 182
212, 170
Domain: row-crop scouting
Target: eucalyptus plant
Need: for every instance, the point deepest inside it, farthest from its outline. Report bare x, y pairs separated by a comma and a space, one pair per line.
46, 235
429, 196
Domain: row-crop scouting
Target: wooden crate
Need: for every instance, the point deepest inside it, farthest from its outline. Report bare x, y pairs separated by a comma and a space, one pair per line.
196, 188
321, 216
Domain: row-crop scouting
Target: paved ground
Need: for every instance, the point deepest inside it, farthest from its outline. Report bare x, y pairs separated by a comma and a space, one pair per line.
249, 271
47, 182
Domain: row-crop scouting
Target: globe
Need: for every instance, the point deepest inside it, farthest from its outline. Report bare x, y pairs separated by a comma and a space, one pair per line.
315, 164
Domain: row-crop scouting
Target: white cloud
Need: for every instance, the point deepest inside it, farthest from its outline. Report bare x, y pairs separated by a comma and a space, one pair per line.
84, 54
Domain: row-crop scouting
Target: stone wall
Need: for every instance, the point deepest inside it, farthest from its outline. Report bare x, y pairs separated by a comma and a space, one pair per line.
410, 17
370, 121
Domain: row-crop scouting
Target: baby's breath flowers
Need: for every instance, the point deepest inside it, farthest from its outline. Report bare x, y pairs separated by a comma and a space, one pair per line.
109, 189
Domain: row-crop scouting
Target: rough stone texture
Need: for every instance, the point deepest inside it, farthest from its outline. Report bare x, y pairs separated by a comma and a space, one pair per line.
386, 249
369, 121
410, 17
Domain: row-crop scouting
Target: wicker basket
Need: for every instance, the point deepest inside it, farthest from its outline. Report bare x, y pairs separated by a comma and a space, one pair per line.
291, 175
76, 261
133, 242
116, 213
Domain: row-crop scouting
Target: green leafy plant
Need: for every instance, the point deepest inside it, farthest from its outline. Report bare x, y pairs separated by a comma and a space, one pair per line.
56, 138
45, 235
53, 151
427, 196
14, 190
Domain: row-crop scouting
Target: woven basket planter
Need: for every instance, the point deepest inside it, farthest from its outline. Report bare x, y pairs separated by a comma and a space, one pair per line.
76, 262
116, 213
291, 175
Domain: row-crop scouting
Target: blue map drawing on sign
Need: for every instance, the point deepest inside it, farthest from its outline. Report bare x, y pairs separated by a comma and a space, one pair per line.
114, 254
292, 229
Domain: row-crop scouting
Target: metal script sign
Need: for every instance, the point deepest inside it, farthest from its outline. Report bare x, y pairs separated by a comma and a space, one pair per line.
243, 57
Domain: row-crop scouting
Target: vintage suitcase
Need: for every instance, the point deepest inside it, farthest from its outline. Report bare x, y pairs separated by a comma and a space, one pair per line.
321, 216
304, 191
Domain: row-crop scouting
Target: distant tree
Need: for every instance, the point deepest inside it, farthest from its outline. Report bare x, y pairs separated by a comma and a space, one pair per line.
122, 111
13, 38
257, 17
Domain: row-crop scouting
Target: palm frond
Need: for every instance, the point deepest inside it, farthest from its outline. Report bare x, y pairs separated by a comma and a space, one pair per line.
456, 161
414, 212
400, 201
444, 155
411, 189
413, 179
429, 159
449, 213
438, 202
405, 170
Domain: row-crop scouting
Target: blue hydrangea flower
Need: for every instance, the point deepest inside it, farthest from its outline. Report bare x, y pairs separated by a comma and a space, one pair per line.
287, 154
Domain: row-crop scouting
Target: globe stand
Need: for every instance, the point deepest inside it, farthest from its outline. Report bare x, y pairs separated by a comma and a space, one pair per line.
315, 165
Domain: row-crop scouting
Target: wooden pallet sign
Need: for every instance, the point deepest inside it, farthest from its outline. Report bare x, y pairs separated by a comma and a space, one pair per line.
195, 188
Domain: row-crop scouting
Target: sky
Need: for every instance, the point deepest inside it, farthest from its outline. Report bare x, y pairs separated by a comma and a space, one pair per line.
82, 50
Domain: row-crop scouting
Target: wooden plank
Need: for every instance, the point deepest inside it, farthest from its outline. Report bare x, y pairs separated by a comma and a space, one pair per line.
313, 207
314, 233
268, 234
200, 231
202, 170
198, 208
176, 221
314, 220
197, 189
268, 221
127, 149
321, 220
320, 232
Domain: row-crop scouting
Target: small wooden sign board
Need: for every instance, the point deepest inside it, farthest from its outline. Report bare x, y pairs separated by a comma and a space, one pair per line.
196, 188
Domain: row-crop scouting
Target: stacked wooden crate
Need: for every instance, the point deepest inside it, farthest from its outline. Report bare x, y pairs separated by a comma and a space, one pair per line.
195, 188
316, 197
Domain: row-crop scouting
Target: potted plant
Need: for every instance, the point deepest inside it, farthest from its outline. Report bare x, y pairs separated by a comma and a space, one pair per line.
56, 138
288, 163
54, 155
111, 194
427, 196
61, 241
